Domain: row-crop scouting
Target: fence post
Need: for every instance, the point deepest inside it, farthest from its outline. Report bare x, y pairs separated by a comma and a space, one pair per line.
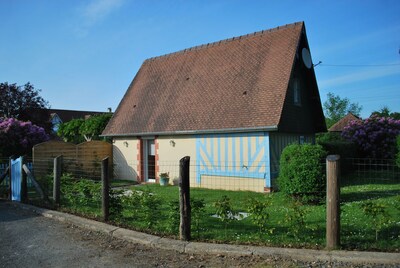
57, 168
105, 204
332, 202
9, 177
184, 199
24, 186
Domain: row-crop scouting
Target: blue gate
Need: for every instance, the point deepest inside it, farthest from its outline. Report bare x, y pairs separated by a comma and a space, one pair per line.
16, 178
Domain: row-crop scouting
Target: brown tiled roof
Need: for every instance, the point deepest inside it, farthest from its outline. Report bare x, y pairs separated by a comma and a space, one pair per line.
234, 84
342, 123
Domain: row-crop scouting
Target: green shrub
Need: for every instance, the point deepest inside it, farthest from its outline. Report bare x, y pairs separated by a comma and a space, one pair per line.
302, 172
82, 192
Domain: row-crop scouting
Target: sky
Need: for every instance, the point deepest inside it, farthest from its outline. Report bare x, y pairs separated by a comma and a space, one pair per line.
84, 54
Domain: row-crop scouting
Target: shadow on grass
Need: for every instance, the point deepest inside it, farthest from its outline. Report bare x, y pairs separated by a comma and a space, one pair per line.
368, 195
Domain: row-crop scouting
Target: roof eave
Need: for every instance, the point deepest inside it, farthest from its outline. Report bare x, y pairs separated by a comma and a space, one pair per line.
196, 132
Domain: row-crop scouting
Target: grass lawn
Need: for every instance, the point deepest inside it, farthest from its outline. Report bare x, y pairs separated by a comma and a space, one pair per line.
357, 229
288, 225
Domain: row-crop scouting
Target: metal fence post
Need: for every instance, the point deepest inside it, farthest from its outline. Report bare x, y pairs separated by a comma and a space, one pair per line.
184, 199
57, 179
332, 202
105, 204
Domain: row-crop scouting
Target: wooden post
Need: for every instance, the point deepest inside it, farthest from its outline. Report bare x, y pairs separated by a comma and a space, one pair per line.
105, 204
184, 199
57, 170
9, 177
24, 185
332, 202
36, 184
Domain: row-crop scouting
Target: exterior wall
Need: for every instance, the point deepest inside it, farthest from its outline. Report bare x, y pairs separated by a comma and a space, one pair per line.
241, 161
233, 161
171, 149
125, 158
306, 117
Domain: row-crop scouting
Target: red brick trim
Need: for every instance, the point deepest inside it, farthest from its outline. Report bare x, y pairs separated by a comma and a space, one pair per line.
157, 158
139, 157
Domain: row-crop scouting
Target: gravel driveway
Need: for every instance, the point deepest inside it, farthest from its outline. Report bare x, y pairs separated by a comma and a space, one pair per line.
30, 240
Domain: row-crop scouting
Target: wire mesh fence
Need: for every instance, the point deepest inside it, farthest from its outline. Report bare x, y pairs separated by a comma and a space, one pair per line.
229, 203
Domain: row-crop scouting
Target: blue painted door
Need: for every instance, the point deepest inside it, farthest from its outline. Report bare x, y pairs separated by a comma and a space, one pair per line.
16, 177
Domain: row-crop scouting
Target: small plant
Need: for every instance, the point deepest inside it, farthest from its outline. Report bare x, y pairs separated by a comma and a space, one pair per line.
259, 215
173, 217
225, 211
151, 205
164, 178
378, 214
198, 207
116, 205
295, 217
164, 175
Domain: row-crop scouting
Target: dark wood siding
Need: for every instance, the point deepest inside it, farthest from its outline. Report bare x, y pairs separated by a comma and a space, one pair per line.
306, 117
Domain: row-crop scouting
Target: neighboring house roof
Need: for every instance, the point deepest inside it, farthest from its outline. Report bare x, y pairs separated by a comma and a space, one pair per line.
342, 123
68, 115
238, 84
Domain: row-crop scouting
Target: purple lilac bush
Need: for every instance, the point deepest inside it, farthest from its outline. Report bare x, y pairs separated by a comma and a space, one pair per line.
18, 137
374, 136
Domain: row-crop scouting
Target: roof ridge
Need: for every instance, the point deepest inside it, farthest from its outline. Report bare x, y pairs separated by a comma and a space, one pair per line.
226, 40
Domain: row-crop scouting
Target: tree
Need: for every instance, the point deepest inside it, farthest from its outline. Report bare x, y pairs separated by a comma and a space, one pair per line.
79, 130
94, 126
385, 112
336, 108
24, 103
70, 131
18, 137
374, 136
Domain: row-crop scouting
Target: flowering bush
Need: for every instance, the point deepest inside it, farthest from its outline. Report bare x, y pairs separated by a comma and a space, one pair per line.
18, 137
398, 151
375, 136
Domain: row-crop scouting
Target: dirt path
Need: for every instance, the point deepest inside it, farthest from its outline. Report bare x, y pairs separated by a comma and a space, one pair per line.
30, 240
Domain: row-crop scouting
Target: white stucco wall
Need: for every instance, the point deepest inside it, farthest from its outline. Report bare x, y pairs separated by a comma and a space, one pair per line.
171, 150
125, 152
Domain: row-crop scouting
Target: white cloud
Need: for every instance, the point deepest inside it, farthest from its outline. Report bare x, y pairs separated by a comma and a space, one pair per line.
380, 35
94, 12
364, 75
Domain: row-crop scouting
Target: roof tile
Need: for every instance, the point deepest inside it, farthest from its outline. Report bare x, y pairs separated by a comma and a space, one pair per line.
231, 84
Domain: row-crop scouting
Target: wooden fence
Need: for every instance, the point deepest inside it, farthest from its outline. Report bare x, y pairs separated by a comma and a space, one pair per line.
84, 158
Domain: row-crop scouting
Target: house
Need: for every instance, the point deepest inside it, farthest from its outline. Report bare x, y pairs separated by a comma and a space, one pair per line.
58, 116
232, 106
342, 123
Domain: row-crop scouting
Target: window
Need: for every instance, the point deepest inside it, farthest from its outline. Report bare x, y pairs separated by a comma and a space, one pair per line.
296, 93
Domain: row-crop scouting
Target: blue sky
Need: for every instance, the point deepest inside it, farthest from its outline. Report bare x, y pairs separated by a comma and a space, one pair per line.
84, 54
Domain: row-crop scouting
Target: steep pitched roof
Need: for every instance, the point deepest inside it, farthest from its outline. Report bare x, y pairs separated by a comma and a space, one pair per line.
234, 84
342, 123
